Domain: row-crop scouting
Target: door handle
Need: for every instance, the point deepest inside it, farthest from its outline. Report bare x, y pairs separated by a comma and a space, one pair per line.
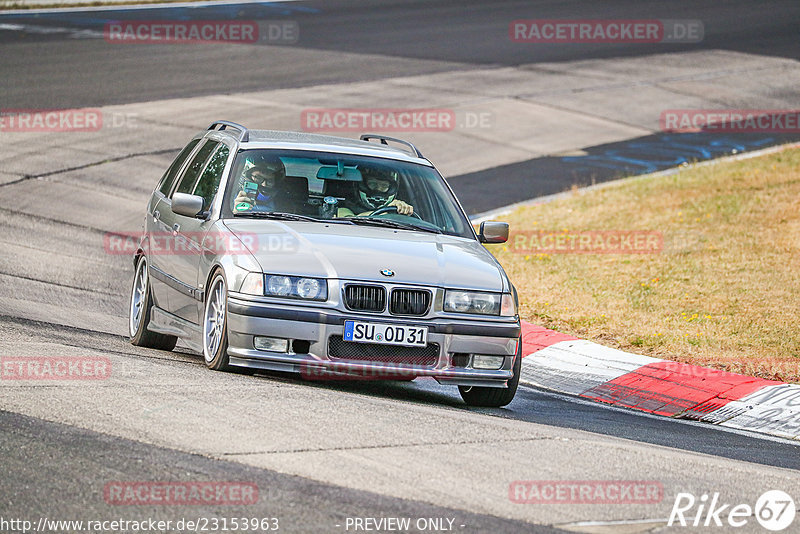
176, 228
156, 215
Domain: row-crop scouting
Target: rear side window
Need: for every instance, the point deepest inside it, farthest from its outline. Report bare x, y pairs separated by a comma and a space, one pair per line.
186, 184
169, 177
209, 182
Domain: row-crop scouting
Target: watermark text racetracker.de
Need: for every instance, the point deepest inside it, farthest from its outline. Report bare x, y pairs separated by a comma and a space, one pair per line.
392, 119
586, 242
364, 371
586, 492
730, 120
202, 32
63, 120
189, 525
563, 31
172, 493
191, 243
55, 367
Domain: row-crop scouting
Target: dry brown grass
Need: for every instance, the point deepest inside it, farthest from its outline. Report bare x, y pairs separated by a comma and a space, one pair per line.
725, 290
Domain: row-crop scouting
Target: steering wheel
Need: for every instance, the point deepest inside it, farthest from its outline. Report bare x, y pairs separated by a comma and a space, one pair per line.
391, 209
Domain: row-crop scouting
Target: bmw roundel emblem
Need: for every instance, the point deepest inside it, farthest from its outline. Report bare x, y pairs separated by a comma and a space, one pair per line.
387, 272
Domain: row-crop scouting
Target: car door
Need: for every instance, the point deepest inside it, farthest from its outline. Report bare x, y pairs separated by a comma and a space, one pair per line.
169, 263
192, 230
154, 226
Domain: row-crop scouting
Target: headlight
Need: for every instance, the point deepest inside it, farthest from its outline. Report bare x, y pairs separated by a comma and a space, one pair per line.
472, 302
296, 287
308, 288
280, 286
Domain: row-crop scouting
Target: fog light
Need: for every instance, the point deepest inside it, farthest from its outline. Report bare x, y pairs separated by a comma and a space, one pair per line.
483, 361
272, 344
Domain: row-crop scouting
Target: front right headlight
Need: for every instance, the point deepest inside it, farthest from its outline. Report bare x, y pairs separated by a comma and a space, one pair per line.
297, 287
277, 285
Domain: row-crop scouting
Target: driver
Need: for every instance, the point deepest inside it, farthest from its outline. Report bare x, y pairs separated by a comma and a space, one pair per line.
377, 189
268, 173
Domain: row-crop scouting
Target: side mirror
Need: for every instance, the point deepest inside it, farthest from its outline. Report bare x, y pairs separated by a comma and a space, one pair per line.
493, 232
187, 205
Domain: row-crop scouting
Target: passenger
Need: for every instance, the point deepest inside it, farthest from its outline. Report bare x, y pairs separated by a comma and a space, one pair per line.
269, 174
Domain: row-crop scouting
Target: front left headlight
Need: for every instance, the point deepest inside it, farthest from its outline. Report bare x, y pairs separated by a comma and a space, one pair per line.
276, 285
472, 302
480, 303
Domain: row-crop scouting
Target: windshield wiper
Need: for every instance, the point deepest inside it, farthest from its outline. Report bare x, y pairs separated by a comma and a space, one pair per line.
278, 215
386, 223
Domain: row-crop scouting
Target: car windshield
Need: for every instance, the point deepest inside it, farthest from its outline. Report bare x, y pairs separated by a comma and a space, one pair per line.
280, 184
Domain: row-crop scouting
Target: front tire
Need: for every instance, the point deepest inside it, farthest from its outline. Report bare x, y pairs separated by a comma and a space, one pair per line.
494, 397
215, 324
139, 316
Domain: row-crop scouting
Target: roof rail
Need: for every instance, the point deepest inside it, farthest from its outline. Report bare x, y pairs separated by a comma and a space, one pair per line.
383, 139
244, 134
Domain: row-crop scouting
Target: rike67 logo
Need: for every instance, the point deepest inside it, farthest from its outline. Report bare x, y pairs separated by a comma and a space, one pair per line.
774, 510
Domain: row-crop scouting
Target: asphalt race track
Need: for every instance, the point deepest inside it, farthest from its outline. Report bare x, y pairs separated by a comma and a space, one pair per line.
322, 454
403, 37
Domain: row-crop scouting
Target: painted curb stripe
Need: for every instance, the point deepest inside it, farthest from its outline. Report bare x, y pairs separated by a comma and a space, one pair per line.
676, 389
771, 410
578, 367
535, 338
575, 366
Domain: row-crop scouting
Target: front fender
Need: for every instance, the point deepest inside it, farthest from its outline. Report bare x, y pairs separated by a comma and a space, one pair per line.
236, 262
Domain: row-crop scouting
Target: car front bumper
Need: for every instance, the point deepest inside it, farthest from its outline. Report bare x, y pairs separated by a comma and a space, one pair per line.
311, 329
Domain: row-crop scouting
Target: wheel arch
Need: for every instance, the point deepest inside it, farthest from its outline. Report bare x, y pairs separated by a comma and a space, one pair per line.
140, 250
212, 271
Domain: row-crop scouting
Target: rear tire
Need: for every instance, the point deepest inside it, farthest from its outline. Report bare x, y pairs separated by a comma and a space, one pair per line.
215, 324
139, 312
494, 397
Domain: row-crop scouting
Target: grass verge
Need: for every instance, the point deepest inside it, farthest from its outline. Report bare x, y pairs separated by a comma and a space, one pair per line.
723, 291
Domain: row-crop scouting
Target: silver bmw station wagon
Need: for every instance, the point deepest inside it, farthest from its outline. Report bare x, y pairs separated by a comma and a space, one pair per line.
330, 257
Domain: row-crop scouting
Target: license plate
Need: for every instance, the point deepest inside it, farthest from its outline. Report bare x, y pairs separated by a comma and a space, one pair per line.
386, 334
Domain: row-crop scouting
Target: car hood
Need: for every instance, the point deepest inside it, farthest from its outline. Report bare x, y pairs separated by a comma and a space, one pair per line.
360, 253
